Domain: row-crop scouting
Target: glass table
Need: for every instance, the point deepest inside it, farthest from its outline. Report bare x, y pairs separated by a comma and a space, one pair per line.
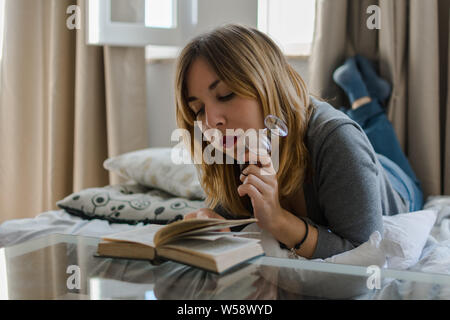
65, 267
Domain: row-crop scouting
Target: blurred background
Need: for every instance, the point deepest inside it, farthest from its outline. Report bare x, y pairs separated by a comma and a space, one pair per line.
82, 81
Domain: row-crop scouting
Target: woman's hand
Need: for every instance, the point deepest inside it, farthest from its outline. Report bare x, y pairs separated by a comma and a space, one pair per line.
261, 185
205, 213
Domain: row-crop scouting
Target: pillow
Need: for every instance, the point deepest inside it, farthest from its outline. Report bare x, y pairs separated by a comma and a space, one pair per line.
410, 231
128, 203
159, 168
400, 247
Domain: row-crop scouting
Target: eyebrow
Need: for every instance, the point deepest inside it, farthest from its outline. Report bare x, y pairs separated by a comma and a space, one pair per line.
211, 87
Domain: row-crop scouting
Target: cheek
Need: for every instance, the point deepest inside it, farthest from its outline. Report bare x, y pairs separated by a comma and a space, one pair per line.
248, 113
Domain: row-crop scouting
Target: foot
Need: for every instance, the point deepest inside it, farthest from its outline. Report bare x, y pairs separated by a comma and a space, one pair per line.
378, 87
349, 79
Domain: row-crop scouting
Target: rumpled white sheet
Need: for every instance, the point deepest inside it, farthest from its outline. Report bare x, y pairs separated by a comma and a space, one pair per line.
441, 204
57, 221
435, 259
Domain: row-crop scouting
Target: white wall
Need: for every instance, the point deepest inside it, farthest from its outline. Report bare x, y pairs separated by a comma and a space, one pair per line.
161, 101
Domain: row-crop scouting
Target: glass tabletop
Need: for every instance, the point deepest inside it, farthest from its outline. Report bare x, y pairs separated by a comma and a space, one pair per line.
65, 267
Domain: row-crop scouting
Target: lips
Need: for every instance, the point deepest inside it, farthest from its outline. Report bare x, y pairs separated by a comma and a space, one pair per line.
229, 141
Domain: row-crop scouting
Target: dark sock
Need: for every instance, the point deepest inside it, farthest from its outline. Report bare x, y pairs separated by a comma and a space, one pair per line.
378, 87
349, 79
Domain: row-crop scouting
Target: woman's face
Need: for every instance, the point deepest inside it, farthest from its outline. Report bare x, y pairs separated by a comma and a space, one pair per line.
217, 107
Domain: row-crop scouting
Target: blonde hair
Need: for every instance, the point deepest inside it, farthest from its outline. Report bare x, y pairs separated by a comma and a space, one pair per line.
252, 66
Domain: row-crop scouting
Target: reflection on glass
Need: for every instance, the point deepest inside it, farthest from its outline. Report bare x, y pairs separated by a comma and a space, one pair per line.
4, 295
37, 269
101, 289
176, 281
150, 295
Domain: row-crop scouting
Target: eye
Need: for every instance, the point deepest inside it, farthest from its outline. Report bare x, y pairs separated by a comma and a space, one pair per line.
227, 97
199, 112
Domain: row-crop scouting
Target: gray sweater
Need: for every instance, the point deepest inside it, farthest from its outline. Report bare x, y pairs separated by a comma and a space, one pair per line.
349, 191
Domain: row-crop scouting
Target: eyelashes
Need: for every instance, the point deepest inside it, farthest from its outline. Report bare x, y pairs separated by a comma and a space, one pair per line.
221, 99
227, 97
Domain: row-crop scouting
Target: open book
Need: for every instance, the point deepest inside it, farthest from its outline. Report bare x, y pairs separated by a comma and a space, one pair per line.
194, 242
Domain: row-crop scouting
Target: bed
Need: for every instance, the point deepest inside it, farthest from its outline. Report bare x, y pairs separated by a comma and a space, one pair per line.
159, 191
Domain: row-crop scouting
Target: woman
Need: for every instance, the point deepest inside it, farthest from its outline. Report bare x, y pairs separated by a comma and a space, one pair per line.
330, 190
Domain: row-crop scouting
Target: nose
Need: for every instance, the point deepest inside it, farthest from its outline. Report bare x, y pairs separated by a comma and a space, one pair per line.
214, 116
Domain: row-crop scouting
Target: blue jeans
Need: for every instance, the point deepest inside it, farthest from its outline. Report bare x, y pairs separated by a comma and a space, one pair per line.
372, 119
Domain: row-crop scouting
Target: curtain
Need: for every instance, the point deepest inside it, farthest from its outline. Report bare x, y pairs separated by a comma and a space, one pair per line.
65, 107
410, 50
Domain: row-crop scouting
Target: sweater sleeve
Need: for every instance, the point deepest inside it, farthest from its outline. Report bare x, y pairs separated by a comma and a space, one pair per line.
348, 179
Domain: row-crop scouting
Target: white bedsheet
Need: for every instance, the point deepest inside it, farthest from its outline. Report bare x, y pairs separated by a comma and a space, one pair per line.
57, 221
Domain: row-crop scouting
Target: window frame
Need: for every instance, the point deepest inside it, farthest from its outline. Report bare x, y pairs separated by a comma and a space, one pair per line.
166, 42
101, 30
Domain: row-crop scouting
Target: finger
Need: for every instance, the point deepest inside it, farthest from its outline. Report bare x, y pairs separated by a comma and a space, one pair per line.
206, 214
250, 190
202, 215
267, 164
261, 173
252, 179
189, 216
255, 170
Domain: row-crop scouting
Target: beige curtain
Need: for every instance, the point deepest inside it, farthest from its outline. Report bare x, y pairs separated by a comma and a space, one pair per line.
65, 107
411, 49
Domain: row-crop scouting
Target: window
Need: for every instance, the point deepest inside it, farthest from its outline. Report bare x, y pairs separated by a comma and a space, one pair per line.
290, 23
122, 23
160, 13
169, 24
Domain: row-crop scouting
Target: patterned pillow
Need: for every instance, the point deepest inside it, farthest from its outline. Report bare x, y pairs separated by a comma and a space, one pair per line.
155, 168
128, 203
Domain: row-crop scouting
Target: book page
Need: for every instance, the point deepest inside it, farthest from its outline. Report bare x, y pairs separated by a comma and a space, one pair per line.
208, 236
143, 235
216, 248
212, 235
199, 225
